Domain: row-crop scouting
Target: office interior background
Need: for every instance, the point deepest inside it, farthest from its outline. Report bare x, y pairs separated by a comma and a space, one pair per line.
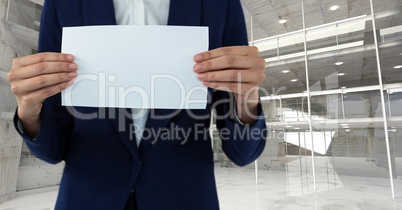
332, 99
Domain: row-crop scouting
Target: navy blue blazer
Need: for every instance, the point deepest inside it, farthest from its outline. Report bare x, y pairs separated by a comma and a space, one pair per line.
168, 171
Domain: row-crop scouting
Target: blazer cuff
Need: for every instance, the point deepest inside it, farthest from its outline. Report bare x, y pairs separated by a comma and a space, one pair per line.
20, 130
233, 116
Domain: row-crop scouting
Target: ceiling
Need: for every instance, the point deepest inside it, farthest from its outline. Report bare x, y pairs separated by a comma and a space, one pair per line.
358, 54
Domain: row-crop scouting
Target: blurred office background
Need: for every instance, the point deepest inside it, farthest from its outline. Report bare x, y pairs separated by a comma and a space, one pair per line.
332, 99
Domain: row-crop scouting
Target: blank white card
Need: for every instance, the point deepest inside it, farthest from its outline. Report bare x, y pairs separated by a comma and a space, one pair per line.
135, 66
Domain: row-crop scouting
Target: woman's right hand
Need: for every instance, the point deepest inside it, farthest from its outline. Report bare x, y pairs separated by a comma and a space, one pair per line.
36, 77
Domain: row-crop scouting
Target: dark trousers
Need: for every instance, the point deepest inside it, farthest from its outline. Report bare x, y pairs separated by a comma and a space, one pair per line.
131, 203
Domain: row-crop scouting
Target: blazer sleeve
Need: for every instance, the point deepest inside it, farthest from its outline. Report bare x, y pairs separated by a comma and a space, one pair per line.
241, 143
56, 123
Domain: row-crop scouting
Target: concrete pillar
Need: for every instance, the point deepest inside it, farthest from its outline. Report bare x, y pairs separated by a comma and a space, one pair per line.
3, 8
10, 142
10, 151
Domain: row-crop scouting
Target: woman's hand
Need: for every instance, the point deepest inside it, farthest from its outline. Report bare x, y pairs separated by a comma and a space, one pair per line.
36, 77
237, 69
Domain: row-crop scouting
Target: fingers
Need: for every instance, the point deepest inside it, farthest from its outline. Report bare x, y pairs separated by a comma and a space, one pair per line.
36, 77
42, 68
228, 62
41, 82
40, 95
237, 50
238, 57
42, 57
235, 69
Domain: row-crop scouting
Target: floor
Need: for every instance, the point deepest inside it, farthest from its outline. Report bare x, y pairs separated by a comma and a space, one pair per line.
278, 191
293, 190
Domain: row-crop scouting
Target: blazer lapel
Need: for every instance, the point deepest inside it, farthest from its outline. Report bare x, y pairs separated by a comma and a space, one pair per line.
123, 123
185, 12
157, 120
98, 12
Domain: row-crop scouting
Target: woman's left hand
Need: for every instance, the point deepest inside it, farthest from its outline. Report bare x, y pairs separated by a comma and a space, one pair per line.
237, 69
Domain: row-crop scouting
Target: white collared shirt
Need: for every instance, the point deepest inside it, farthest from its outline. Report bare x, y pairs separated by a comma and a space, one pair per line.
141, 12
